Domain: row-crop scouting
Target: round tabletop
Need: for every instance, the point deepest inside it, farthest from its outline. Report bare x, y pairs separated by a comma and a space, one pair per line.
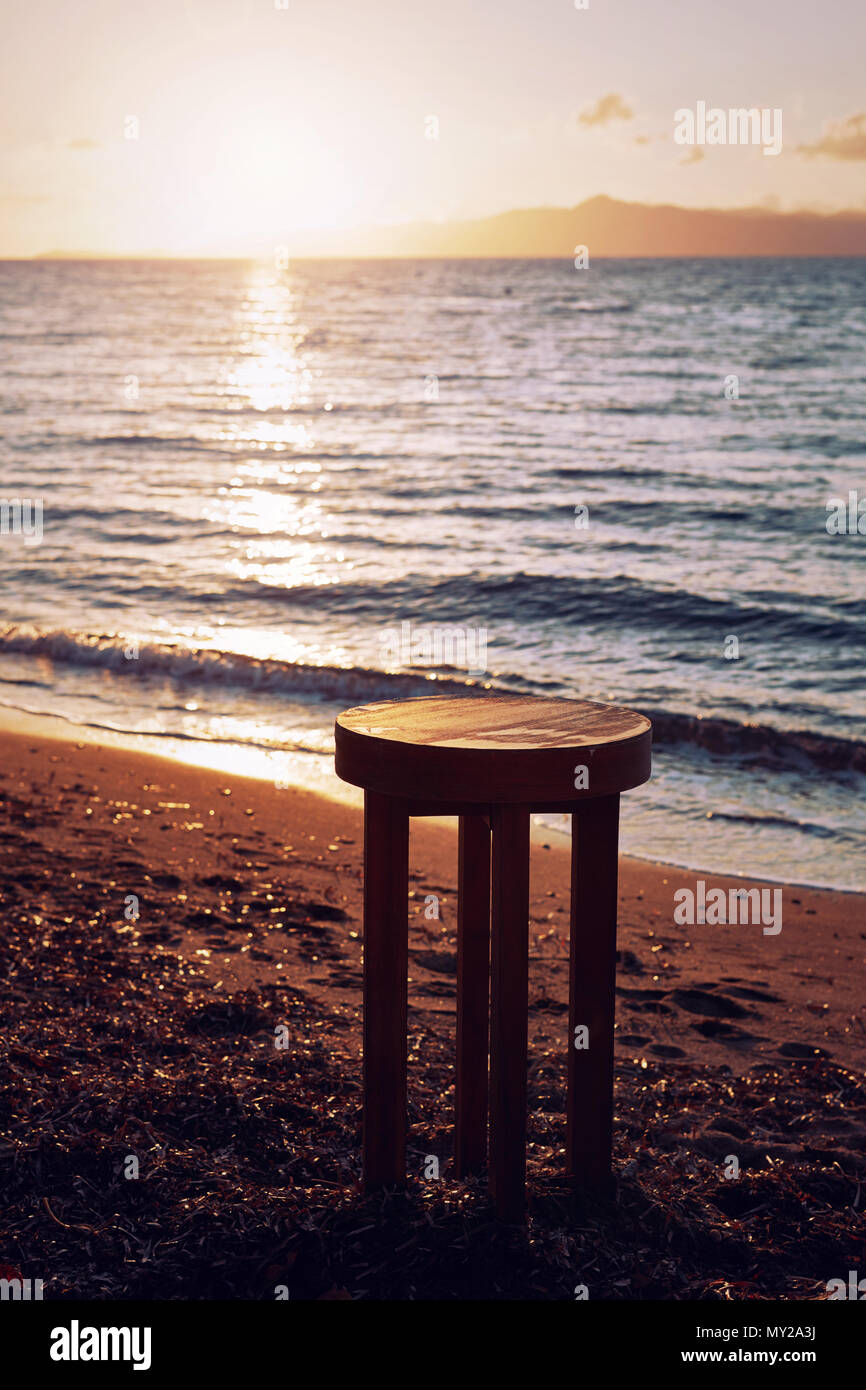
493, 749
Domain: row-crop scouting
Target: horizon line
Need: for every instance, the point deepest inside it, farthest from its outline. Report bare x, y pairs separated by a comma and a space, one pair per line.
92, 257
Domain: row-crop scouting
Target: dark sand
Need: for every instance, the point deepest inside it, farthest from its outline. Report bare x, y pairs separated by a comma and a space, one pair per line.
155, 1038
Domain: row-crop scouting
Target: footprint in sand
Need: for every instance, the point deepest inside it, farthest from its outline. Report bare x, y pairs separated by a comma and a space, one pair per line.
439, 989
544, 1004
204, 918
763, 995
701, 1001
324, 912
166, 880
717, 1029
222, 881
318, 943
648, 1001
802, 1051
629, 964
442, 962
342, 977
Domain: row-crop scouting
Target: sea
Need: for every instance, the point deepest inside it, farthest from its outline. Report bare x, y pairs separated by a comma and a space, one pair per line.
237, 498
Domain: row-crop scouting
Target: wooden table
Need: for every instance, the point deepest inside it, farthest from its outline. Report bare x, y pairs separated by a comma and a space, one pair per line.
491, 761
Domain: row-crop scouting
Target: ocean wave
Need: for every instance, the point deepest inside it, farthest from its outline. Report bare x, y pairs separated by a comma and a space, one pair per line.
613, 601
783, 750
752, 744
43, 338
596, 309
159, 441
767, 822
209, 666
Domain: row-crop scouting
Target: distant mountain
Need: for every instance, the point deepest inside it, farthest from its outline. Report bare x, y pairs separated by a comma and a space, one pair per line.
611, 228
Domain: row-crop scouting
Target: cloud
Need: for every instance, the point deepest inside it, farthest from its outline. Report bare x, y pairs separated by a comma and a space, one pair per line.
608, 108
83, 144
841, 139
694, 156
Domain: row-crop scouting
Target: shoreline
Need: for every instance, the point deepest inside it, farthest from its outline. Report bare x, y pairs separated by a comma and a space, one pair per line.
258, 765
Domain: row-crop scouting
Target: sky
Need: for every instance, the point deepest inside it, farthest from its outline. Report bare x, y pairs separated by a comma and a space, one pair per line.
232, 126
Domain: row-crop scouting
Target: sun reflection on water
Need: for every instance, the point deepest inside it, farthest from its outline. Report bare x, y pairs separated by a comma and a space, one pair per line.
272, 498
270, 372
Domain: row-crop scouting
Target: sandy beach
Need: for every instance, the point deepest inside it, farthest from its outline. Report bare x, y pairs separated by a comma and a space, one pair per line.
196, 940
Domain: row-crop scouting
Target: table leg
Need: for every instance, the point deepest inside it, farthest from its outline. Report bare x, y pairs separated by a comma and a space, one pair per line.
595, 827
473, 993
386, 936
509, 1003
